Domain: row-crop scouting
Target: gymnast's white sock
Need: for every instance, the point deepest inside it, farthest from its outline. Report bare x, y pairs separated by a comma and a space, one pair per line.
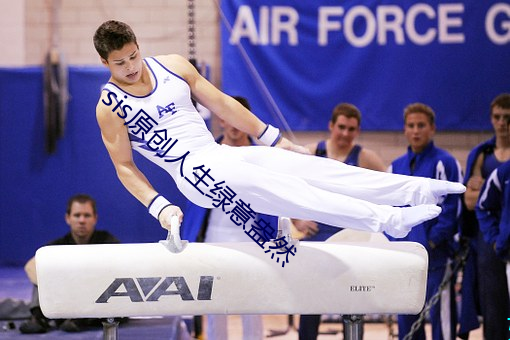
434, 191
412, 216
441, 188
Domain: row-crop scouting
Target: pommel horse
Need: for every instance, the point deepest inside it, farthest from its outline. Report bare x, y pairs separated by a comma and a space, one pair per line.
352, 277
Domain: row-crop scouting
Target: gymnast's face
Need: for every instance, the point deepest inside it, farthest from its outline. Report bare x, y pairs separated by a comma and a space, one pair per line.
419, 131
233, 136
344, 130
125, 64
82, 221
500, 118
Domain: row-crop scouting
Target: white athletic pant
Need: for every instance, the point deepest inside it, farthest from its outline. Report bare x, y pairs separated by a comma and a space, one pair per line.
284, 183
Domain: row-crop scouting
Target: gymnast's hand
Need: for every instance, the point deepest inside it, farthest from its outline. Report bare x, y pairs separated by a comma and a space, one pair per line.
307, 228
166, 215
286, 144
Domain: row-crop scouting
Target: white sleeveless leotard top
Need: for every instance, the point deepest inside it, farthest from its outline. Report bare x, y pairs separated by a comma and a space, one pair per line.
163, 125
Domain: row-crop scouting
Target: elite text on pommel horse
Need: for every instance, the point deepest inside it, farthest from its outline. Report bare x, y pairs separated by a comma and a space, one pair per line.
334, 277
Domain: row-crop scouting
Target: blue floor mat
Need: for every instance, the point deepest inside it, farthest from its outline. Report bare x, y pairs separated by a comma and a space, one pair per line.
134, 329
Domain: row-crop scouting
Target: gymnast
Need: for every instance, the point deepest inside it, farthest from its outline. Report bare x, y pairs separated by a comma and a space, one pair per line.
147, 106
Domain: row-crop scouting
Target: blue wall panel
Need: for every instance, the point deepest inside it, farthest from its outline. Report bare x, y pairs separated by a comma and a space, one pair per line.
35, 185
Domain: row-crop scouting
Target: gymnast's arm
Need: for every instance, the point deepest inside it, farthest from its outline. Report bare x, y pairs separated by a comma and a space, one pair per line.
115, 138
488, 210
474, 184
224, 106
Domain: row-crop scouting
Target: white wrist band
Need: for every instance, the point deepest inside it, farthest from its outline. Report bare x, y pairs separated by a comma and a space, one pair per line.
157, 205
270, 136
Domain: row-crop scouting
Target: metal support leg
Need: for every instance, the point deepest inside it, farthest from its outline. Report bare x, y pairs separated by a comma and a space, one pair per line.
110, 329
353, 327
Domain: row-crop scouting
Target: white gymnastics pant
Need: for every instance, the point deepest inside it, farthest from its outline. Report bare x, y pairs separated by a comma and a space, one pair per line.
284, 183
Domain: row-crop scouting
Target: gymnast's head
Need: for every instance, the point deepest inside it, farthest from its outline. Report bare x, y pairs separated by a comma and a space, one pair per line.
344, 125
347, 110
81, 217
116, 44
113, 35
500, 114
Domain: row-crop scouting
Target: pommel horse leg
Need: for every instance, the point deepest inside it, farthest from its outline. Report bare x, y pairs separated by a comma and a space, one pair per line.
353, 327
110, 329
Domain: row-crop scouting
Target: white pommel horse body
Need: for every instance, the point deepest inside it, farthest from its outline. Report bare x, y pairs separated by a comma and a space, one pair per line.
333, 277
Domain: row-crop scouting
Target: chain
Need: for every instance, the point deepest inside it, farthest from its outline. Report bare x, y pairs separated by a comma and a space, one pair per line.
459, 265
191, 30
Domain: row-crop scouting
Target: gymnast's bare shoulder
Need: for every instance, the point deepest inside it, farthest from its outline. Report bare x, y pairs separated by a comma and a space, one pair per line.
178, 65
369, 159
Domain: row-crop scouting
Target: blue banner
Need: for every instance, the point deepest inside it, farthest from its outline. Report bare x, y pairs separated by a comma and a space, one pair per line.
295, 60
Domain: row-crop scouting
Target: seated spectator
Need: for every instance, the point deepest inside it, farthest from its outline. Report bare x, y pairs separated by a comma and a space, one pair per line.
81, 216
